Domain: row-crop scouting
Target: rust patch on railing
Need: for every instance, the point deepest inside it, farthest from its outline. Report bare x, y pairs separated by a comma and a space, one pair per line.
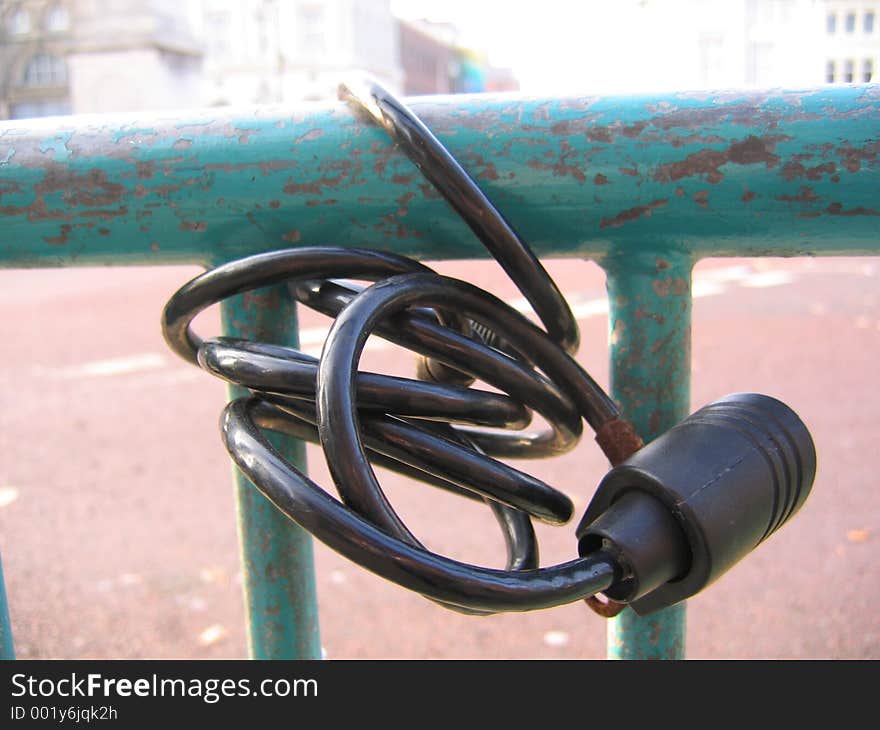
852, 157
750, 151
563, 165
806, 195
838, 209
631, 214
89, 189
793, 170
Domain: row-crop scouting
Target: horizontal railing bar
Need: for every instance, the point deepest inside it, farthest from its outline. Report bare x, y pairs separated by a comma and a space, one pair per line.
778, 173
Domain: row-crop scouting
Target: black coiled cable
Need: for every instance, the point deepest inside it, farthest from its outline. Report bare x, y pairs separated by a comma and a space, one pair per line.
443, 432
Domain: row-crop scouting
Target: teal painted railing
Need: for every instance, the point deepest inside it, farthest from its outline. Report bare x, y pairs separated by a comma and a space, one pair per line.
646, 186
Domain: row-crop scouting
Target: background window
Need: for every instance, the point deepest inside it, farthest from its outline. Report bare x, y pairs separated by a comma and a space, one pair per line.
45, 70
311, 19
217, 26
830, 70
831, 23
57, 19
867, 69
869, 22
48, 108
759, 62
850, 22
19, 22
848, 71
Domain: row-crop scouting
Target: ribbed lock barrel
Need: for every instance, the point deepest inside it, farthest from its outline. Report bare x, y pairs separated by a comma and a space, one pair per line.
729, 475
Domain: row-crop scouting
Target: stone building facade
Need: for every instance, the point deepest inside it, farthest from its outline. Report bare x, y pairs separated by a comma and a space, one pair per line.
88, 56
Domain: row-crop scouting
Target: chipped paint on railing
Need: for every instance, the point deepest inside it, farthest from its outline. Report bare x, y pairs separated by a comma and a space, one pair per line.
715, 174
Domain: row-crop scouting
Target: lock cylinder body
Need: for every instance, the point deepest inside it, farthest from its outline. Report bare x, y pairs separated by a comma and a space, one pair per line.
689, 505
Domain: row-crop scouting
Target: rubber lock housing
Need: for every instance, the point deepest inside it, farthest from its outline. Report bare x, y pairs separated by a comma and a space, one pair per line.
685, 508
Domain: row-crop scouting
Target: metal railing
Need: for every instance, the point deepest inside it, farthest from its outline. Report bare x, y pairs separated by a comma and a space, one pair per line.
645, 186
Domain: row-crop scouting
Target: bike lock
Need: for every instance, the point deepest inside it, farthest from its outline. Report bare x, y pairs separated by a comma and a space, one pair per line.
667, 520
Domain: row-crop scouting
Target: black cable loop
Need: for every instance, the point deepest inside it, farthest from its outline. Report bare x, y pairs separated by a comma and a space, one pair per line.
465, 196
439, 578
432, 447
444, 433
515, 377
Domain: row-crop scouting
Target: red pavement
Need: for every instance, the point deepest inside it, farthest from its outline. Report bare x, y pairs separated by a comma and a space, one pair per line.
117, 525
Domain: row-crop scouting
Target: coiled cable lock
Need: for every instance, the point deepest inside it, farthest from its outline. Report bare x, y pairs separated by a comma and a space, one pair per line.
438, 429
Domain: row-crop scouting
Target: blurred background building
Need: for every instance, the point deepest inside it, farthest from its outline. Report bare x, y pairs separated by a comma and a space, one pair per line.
434, 60
426, 50
852, 41
83, 56
260, 51
763, 43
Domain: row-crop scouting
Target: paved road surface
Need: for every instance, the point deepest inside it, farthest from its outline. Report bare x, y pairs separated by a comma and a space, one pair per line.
117, 521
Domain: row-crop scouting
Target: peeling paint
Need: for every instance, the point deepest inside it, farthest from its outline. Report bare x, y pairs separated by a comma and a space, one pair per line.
310, 136
314, 187
598, 134
631, 214
750, 114
852, 157
597, 164
92, 188
793, 170
105, 214
145, 170
62, 238
806, 195
707, 163
564, 166
838, 209
264, 166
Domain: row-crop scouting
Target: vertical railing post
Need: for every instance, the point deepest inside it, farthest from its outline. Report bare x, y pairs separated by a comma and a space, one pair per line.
7, 649
650, 338
276, 555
